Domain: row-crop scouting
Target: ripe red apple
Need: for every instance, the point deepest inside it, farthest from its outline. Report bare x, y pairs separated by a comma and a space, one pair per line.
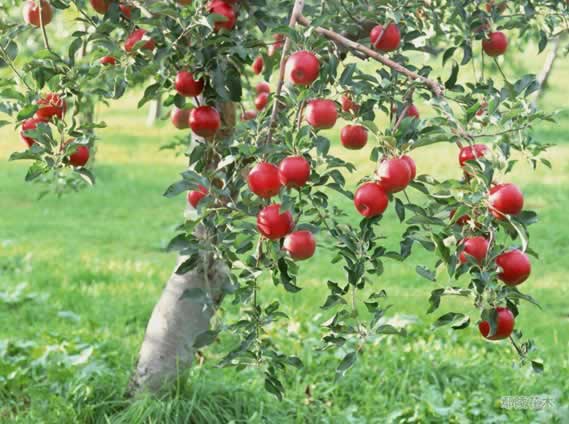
50, 105
101, 6
468, 153
412, 167
321, 113
294, 171
463, 220
108, 60
515, 265
496, 44
385, 40
205, 121
28, 125
302, 68
184, 2
248, 115
31, 13
195, 196
500, 6
180, 118
353, 137
274, 224
264, 181
126, 10
477, 247
506, 199
261, 101
348, 105
300, 245
187, 86
412, 112
137, 36
263, 87
277, 45
394, 174
370, 200
224, 9
80, 157
504, 325
258, 65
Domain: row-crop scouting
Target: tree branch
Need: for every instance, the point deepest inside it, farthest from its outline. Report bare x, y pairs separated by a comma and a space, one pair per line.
294, 16
434, 86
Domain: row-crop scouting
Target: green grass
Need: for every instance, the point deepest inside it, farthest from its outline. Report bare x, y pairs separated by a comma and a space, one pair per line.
93, 266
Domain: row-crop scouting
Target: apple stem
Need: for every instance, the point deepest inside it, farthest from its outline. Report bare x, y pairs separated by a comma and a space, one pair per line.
294, 16
435, 87
408, 99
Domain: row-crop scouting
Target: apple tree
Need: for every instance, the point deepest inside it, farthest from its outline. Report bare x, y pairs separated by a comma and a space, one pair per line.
263, 184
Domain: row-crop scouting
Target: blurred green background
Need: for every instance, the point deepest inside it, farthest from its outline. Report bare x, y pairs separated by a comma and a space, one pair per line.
79, 277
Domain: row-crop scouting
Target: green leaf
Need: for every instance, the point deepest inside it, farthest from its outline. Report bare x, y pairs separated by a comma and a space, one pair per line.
458, 321
346, 363
205, 338
188, 264
425, 272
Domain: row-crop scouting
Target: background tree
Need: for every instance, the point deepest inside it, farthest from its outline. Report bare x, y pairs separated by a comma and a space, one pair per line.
204, 51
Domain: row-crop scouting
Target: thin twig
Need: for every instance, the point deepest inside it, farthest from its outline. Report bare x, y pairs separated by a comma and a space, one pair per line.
434, 86
408, 99
7, 59
43, 31
294, 16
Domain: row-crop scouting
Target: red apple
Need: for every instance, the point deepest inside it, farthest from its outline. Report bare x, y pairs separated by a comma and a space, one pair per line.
80, 157
412, 167
394, 174
50, 105
294, 171
385, 40
31, 13
353, 137
504, 325
219, 7
496, 44
477, 247
195, 196
28, 125
261, 101
126, 10
500, 6
463, 220
515, 265
348, 104
258, 65
277, 45
180, 118
482, 110
321, 113
300, 245
205, 121
184, 2
263, 87
137, 36
274, 224
370, 200
108, 60
412, 112
506, 199
302, 68
101, 6
264, 181
187, 86
248, 115
468, 153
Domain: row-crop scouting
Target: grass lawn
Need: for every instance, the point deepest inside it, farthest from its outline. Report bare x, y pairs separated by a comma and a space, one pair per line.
79, 277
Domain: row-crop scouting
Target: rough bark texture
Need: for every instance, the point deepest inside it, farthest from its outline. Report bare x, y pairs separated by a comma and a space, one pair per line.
175, 323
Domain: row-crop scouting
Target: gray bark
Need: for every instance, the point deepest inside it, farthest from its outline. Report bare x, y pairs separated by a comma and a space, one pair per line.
168, 345
543, 76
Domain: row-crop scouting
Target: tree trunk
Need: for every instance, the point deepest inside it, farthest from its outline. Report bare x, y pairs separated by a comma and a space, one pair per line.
154, 111
175, 323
